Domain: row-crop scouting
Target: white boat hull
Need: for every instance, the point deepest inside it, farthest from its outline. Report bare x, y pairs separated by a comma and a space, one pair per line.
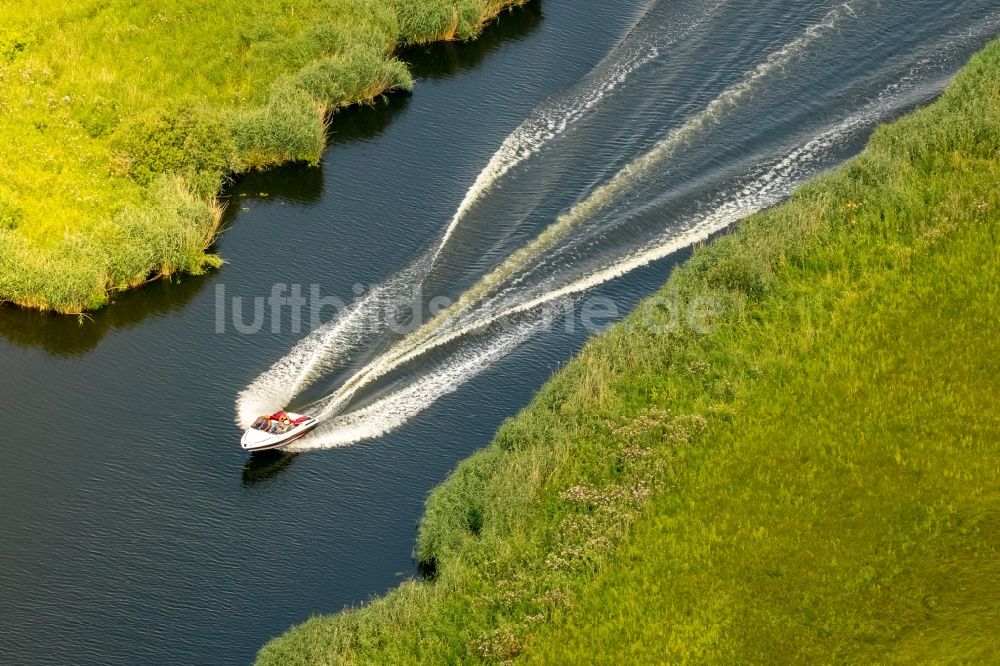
259, 440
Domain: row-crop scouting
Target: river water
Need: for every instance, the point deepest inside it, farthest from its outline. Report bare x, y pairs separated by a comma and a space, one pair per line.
565, 160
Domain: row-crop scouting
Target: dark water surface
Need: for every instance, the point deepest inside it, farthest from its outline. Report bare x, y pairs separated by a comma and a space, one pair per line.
134, 529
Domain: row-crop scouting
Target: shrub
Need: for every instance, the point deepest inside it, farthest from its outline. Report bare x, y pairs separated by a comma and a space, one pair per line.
340, 81
100, 117
180, 139
289, 129
423, 22
738, 272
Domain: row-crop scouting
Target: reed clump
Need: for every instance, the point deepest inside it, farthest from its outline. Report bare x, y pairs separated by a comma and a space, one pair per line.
120, 122
165, 236
813, 477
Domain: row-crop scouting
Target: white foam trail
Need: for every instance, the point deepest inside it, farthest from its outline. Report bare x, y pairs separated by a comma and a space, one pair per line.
767, 189
394, 410
390, 412
548, 123
565, 223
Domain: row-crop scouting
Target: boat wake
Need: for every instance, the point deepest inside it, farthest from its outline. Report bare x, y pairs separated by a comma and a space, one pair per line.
680, 170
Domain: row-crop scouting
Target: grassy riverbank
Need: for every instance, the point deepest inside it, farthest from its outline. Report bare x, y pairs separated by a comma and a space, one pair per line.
814, 476
850, 511
120, 120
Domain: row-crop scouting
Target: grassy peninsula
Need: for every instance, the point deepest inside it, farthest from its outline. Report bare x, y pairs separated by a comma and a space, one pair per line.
814, 478
119, 121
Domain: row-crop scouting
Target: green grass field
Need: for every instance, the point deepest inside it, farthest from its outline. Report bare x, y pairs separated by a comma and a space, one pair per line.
850, 509
810, 473
119, 121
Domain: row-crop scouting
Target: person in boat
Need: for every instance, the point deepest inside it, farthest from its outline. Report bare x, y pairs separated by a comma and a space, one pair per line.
284, 424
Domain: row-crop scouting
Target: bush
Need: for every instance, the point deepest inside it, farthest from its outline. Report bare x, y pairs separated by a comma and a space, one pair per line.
422, 22
180, 139
735, 271
14, 43
289, 129
341, 81
100, 118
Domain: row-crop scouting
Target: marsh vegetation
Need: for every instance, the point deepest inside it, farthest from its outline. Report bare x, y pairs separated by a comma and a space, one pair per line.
119, 122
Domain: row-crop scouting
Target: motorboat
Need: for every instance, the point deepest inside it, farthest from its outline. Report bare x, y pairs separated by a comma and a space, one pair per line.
276, 430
